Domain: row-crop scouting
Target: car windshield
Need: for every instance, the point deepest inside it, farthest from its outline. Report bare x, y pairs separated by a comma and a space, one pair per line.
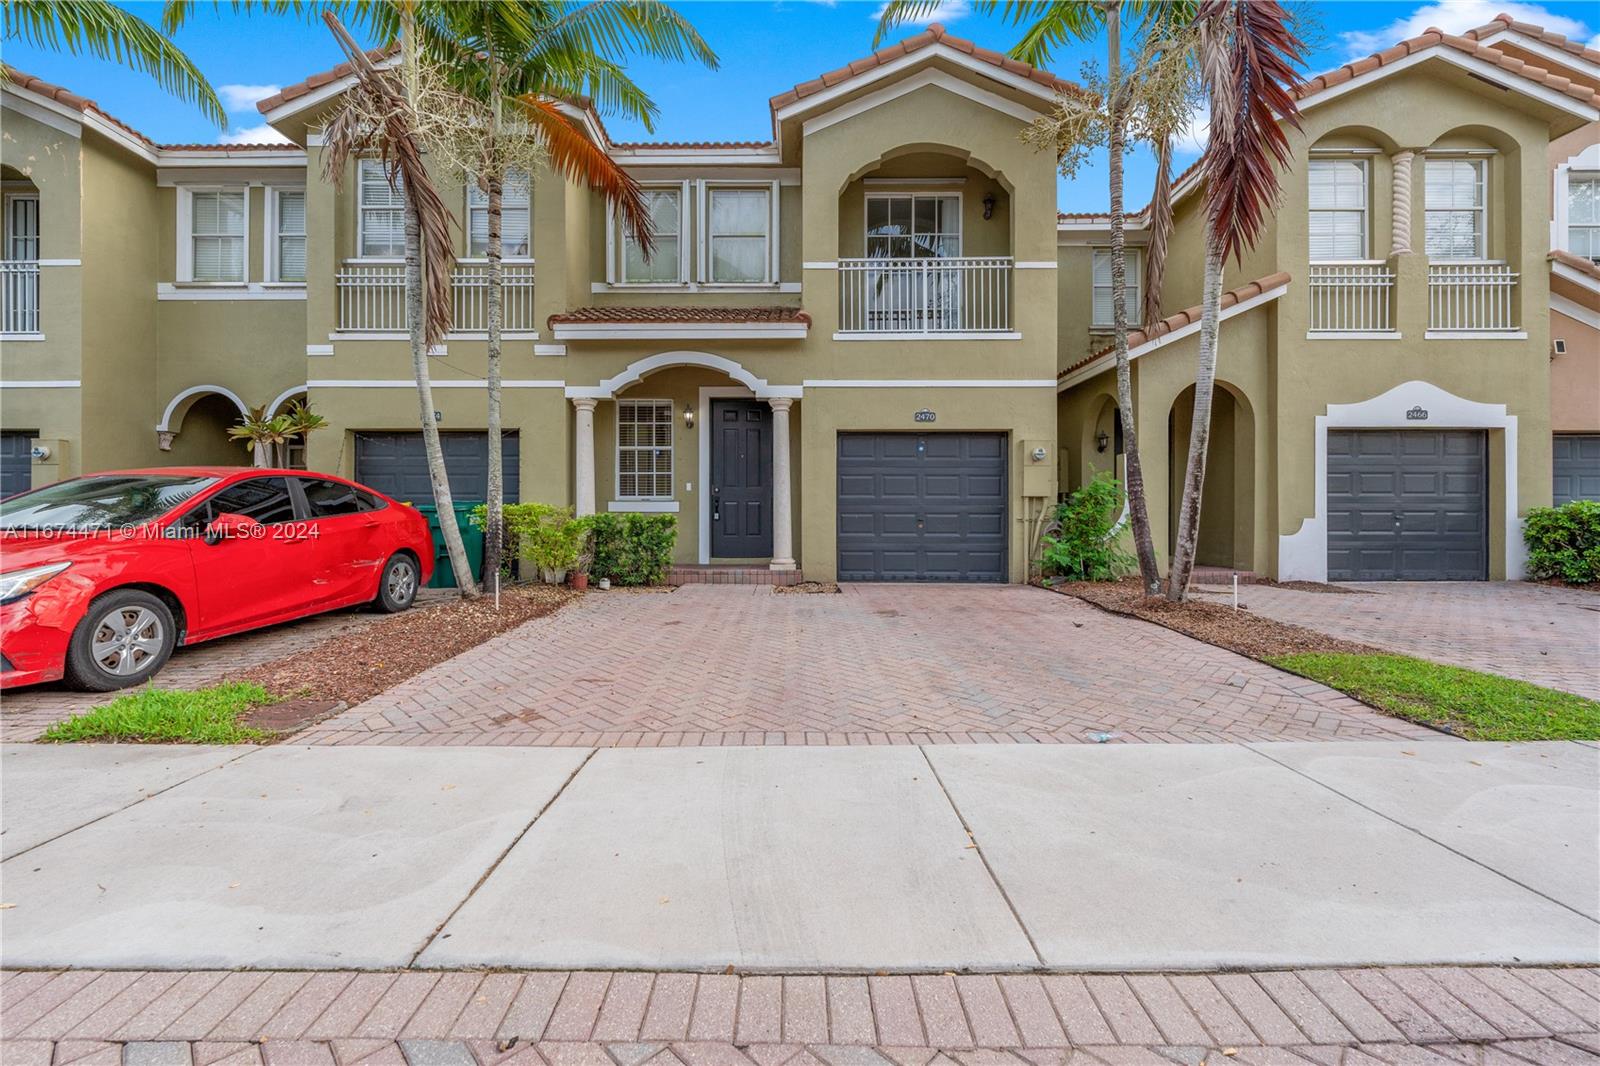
109, 502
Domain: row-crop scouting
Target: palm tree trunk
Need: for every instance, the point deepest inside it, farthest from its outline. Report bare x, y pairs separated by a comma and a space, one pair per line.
1200, 433
258, 454
494, 523
1144, 545
430, 428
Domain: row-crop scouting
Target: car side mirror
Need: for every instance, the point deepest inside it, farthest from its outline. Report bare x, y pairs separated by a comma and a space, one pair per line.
229, 525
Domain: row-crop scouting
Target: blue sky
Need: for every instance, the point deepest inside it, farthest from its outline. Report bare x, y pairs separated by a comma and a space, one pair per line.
765, 47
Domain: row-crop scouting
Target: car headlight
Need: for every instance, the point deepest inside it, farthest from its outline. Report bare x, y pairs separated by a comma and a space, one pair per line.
18, 583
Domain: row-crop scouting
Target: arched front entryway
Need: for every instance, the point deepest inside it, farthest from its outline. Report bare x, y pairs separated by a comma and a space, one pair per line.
193, 430
1227, 511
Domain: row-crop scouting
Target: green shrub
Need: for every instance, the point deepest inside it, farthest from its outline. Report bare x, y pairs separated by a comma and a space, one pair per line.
633, 549
544, 536
1564, 542
1081, 543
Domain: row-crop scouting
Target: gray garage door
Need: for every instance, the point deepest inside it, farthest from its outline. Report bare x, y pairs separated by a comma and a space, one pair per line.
394, 464
922, 507
1407, 505
16, 463
1577, 467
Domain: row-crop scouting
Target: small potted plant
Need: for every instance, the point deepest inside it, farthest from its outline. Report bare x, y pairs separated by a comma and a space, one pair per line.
584, 559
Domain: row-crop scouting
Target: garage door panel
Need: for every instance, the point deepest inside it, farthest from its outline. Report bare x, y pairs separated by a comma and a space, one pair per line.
16, 462
1407, 504
937, 502
396, 464
1575, 467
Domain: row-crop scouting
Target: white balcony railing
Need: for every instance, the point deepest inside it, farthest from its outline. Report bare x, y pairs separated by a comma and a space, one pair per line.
968, 294
1352, 297
372, 298
19, 296
1471, 297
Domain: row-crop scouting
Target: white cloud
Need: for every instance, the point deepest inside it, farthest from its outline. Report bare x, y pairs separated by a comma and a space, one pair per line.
262, 134
946, 11
1193, 140
245, 97
1457, 16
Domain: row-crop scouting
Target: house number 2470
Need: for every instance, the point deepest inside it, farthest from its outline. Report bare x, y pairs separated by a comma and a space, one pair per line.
925, 415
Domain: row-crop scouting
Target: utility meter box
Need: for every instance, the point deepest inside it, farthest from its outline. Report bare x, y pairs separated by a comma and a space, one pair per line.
1039, 468
50, 460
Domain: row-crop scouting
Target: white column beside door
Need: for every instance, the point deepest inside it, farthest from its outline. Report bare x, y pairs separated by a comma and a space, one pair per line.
782, 512
583, 456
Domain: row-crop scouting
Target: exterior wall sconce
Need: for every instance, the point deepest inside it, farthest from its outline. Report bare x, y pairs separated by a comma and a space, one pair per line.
988, 207
1101, 440
688, 417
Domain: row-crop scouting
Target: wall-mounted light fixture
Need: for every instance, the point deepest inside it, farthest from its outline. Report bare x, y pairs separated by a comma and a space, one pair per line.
1101, 441
688, 416
988, 206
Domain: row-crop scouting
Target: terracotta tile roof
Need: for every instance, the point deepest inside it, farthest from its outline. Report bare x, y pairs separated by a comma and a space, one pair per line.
272, 147
1576, 262
1503, 22
634, 146
68, 98
680, 314
317, 81
1187, 316
1435, 38
934, 34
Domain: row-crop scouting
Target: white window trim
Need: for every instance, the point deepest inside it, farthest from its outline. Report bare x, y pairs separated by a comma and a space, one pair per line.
269, 238
10, 197
361, 222
615, 244
703, 232
466, 213
185, 263
1480, 159
1133, 256
961, 214
1366, 203
672, 449
1585, 161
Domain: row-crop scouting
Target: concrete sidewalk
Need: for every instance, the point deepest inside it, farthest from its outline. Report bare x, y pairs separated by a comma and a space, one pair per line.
1001, 858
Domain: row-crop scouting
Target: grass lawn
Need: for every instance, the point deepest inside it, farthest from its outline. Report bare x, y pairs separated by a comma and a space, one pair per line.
207, 716
1469, 704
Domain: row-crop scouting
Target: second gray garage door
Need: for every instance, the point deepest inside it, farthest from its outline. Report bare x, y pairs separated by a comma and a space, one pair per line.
16, 463
922, 507
1576, 465
396, 465
1407, 505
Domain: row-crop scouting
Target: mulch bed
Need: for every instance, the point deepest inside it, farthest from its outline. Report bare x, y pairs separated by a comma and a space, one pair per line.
804, 587
356, 666
1239, 631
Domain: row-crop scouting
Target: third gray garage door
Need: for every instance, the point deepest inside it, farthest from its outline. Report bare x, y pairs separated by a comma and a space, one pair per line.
1407, 505
922, 507
396, 465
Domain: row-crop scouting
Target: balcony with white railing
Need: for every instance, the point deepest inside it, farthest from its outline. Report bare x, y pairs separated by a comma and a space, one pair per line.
19, 297
1472, 299
926, 297
1352, 299
372, 298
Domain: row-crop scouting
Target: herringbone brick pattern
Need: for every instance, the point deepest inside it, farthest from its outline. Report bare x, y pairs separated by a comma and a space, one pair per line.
1435, 1017
1549, 636
874, 664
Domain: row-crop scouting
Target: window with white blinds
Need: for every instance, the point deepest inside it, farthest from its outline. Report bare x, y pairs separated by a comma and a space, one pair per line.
644, 449
515, 235
665, 207
382, 221
216, 234
1454, 199
1101, 314
289, 224
738, 233
1338, 209
1583, 215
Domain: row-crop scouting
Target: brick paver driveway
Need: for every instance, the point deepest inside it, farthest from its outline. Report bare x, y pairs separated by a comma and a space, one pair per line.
1550, 636
875, 664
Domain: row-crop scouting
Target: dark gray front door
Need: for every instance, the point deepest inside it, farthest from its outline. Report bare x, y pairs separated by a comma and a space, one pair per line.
396, 465
1576, 465
16, 463
741, 479
922, 507
1407, 505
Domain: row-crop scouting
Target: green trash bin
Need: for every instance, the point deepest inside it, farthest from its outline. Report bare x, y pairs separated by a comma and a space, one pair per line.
444, 576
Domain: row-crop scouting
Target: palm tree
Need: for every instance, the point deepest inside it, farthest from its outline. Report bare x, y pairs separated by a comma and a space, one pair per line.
521, 57
303, 421
1048, 24
1248, 55
263, 434
106, 31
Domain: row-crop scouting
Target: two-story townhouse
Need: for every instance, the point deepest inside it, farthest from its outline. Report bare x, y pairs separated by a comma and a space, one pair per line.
149, 294
1384, 389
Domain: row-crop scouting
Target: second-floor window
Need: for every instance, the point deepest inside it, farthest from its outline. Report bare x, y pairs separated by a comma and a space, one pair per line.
738, 234
665, 207
913, 227
644, 449
289, 225
515, 235
1583, 215
382, 221
1101, 316
216, 234
1454, 197
1338, 209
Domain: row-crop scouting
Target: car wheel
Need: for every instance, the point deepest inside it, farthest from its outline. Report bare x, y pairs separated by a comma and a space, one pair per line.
125, 637
397, 589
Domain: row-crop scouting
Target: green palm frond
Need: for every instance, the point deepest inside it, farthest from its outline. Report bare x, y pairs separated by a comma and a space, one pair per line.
102, 29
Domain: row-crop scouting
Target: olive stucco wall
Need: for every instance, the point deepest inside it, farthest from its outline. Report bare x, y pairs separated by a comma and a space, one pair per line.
1575, 377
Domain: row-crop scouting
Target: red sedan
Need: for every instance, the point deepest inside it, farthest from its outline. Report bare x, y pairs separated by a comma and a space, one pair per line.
101, 577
